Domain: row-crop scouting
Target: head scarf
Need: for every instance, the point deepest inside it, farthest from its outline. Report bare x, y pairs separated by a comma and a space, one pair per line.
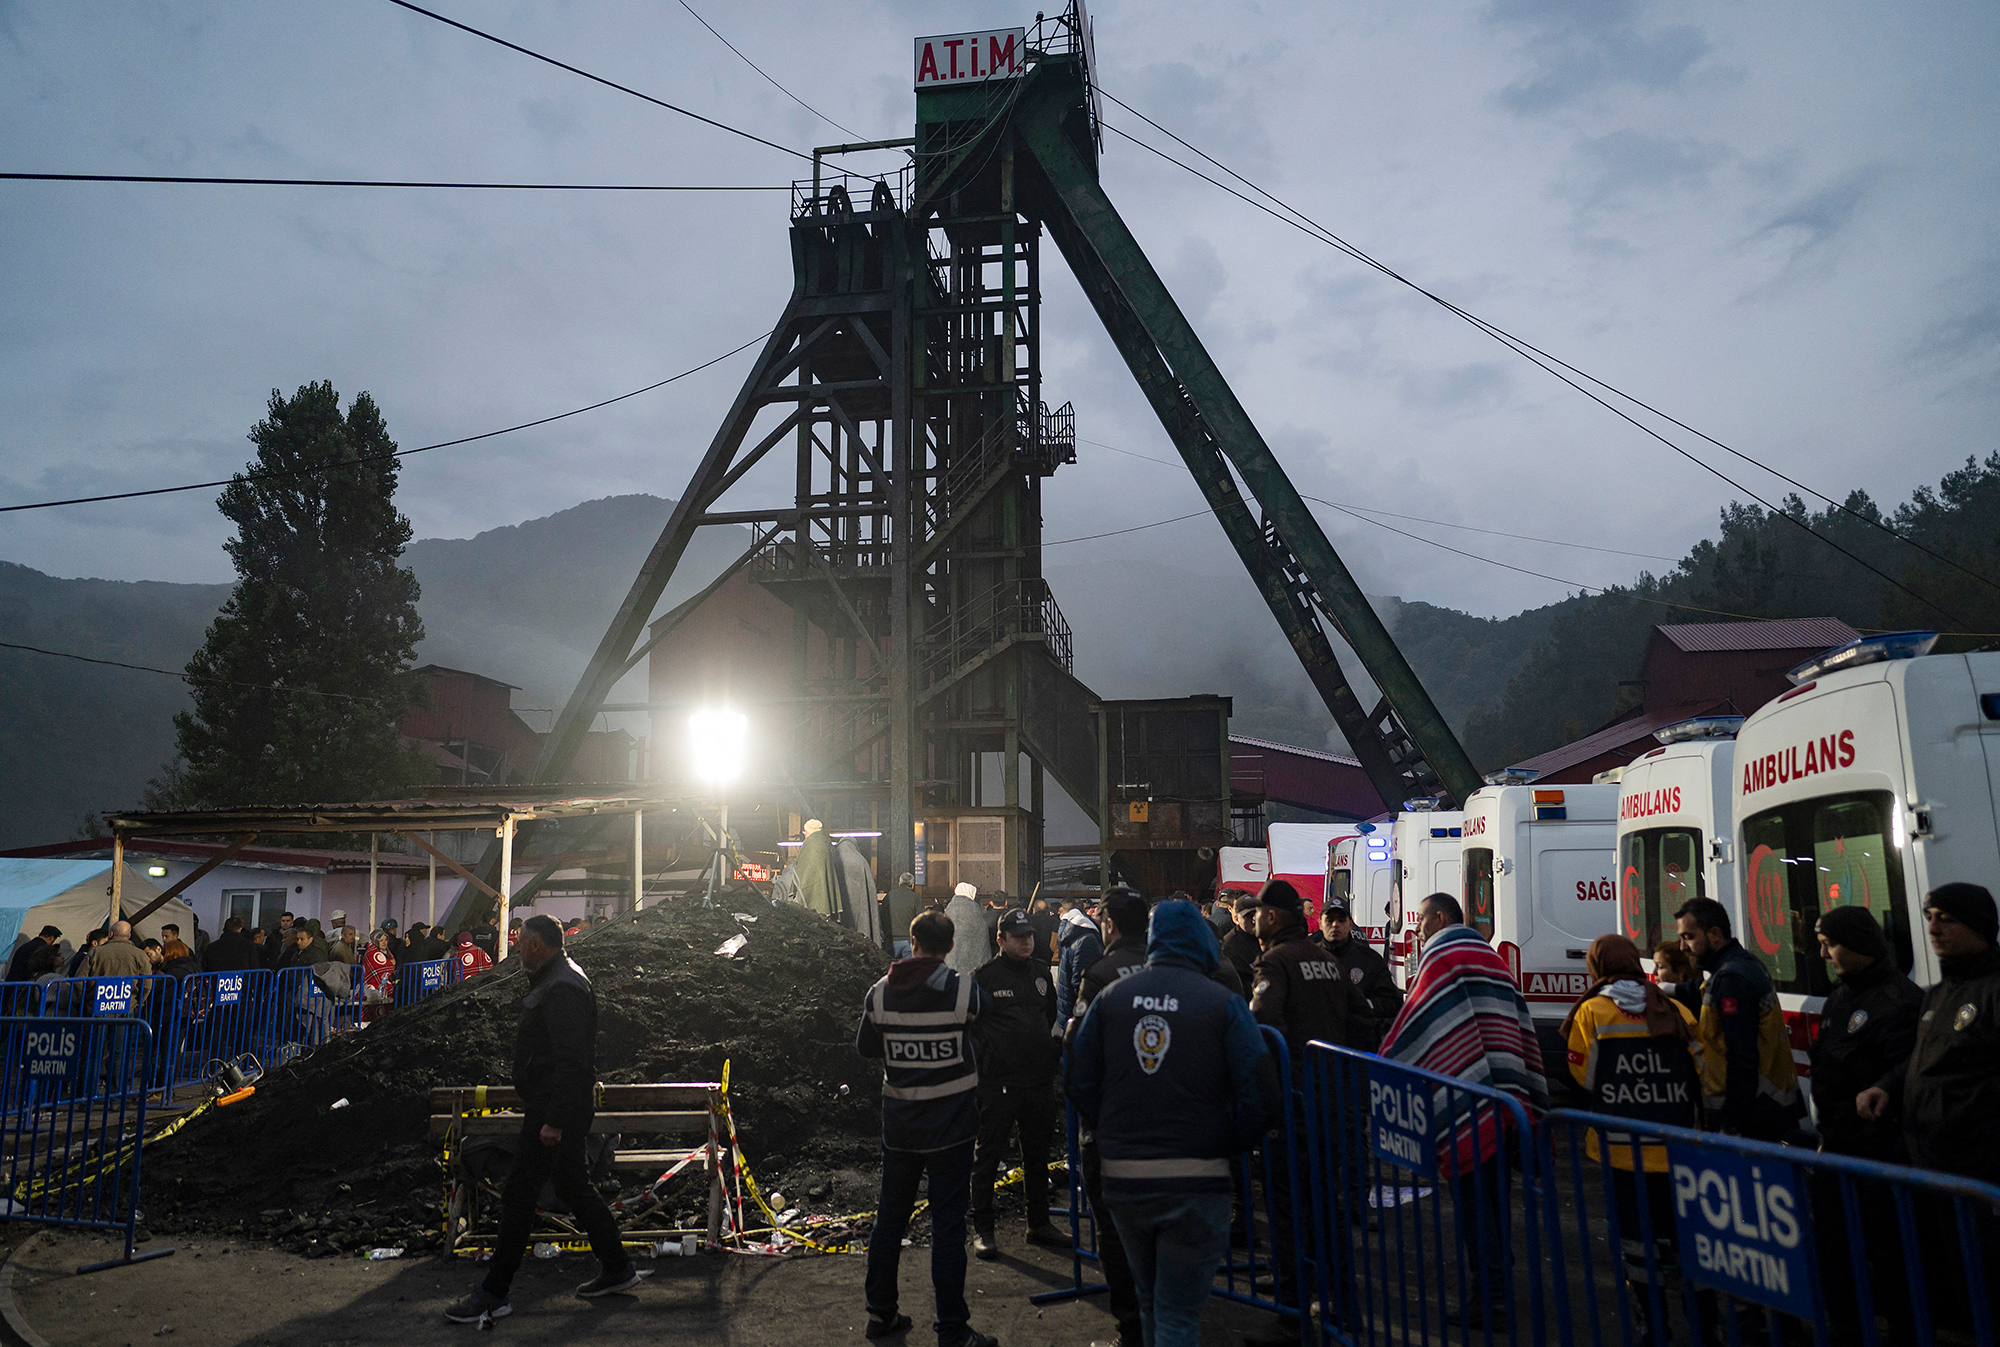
1614, 958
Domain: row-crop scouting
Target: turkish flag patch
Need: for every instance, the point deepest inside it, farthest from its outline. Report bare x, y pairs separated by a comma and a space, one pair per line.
1729, 1005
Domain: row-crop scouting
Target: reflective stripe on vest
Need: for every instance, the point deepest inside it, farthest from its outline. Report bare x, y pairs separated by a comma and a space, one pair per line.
1179, 1168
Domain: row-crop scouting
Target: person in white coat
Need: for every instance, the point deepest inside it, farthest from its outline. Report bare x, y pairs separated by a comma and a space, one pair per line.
972, 945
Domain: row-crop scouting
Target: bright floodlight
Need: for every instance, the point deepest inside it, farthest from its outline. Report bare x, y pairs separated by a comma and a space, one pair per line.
717, 740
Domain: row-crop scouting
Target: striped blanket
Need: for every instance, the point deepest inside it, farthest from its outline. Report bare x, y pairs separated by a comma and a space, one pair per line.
1466, 1019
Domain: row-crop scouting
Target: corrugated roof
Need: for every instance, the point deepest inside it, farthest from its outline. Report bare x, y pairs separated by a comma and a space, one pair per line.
1273, 746
1611, 738
1791, 633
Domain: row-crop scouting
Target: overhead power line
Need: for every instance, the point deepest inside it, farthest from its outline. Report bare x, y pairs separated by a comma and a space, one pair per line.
767, 77
187, 677
1297, 219
1136, 528
256, 473
1419, 519
599, 79
379, 182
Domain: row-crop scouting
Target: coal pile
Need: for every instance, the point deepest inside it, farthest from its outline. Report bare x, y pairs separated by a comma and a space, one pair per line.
289, 1167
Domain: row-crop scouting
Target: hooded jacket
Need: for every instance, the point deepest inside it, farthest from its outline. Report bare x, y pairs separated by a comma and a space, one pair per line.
1079, 944
918, 1022
1170, 1070
1950, 1093
1867, 1029
971, 942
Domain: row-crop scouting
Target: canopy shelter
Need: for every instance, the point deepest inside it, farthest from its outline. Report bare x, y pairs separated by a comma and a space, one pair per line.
75, 897
500, 809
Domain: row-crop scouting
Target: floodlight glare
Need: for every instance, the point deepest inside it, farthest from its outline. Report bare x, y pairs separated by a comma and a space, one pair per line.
717, 741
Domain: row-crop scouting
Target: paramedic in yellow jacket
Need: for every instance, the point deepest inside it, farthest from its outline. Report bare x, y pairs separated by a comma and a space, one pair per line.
1633, 1049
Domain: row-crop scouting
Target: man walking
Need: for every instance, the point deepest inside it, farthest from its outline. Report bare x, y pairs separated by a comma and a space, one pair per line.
555, 1072
1171, 1073
1747, 1078
1017, 1082
1467, 1018
918, 1021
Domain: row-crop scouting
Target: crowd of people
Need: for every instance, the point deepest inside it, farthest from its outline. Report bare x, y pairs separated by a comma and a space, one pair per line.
989, 1015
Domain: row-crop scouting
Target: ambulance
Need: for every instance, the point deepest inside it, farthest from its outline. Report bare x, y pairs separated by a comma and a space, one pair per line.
1298, 856
1537, 864
1358, 874
1673, 827
1868, 784
1423, 859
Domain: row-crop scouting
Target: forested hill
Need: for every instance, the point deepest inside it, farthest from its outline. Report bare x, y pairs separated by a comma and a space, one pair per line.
1764, 565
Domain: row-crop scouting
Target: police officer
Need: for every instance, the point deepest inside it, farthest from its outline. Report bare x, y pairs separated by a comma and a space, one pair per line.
1240, 949
1301, 990
1366, 968
918, 1021
1866, 1030
1172, 1075
1017, 1051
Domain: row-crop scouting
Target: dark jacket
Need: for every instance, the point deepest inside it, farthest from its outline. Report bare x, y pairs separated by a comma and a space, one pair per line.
1303, 991
918, 1021
1170, 1070
17, 967
1950, 1093
555, 1048
1015, 1043
1241, 951
1127, 956
1867, 1029
1748, 1081
488, 939
232, 952
186, 966
1369, 971
1079, 944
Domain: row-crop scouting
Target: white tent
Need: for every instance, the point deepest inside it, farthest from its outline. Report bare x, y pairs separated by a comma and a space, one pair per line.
74, 896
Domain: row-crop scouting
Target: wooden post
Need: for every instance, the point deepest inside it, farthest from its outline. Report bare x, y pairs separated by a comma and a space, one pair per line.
374, 840
117, 875
432, 919
506, 884
638, 859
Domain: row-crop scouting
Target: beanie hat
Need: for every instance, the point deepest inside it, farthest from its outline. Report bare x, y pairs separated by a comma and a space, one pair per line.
1854, 928
1970, 904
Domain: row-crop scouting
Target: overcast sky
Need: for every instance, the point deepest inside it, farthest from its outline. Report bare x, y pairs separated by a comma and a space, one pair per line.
1776, 221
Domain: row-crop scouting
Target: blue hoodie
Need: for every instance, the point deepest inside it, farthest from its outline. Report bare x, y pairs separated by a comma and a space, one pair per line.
1079, 944
1170, 1069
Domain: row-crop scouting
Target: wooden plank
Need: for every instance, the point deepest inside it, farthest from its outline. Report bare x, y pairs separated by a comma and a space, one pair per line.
456, 868
612, 1096
654, 1159
499, 1124
217, 859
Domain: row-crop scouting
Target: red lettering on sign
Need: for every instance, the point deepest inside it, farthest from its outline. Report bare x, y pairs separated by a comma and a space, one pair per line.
927, 64
954, 44
1788, 764
998, 55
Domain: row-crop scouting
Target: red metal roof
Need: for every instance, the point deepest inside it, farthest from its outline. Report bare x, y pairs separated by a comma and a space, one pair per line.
1633, 735
1792, 633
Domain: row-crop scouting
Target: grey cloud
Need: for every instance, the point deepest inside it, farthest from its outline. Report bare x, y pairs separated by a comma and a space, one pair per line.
1972, 331
1576, 47
1459, 389
1615, 166
1814, 221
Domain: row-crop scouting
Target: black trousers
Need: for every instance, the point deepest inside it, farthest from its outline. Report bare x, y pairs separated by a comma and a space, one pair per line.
563, 1165
1002, 1108
1119, 1285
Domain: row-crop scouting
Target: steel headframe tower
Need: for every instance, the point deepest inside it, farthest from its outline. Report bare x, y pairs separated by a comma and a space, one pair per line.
905, 376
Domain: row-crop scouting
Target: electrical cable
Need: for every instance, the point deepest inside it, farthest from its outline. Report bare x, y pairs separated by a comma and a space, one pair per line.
767, 78
377, 182
1523, 347
187, 677
254, 473
1136, 528
609, 84
1419, 519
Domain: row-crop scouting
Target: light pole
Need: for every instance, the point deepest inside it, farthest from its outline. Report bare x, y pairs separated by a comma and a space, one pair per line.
717, 741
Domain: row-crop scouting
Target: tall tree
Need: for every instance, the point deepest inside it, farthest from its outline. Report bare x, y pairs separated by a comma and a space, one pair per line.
304, 672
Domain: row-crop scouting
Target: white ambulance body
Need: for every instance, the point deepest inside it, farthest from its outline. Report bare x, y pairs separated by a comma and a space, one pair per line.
1538, 884
1869, 784
1423, 859
1358, 874
1673, 828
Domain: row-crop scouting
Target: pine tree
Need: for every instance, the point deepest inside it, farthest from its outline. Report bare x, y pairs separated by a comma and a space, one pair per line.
303, 675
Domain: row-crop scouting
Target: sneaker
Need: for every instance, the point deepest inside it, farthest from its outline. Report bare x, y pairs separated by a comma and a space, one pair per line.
983, 1246
882, 1328
974, 1338
1047, 1236
611, 1281
482, 1304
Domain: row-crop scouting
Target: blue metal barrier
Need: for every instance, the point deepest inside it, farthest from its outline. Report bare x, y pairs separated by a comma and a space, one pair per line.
154, 998
21, 998
1801, 1240
71, 1126
417, 981
1410, 1180
1082, 1222
218, 1022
